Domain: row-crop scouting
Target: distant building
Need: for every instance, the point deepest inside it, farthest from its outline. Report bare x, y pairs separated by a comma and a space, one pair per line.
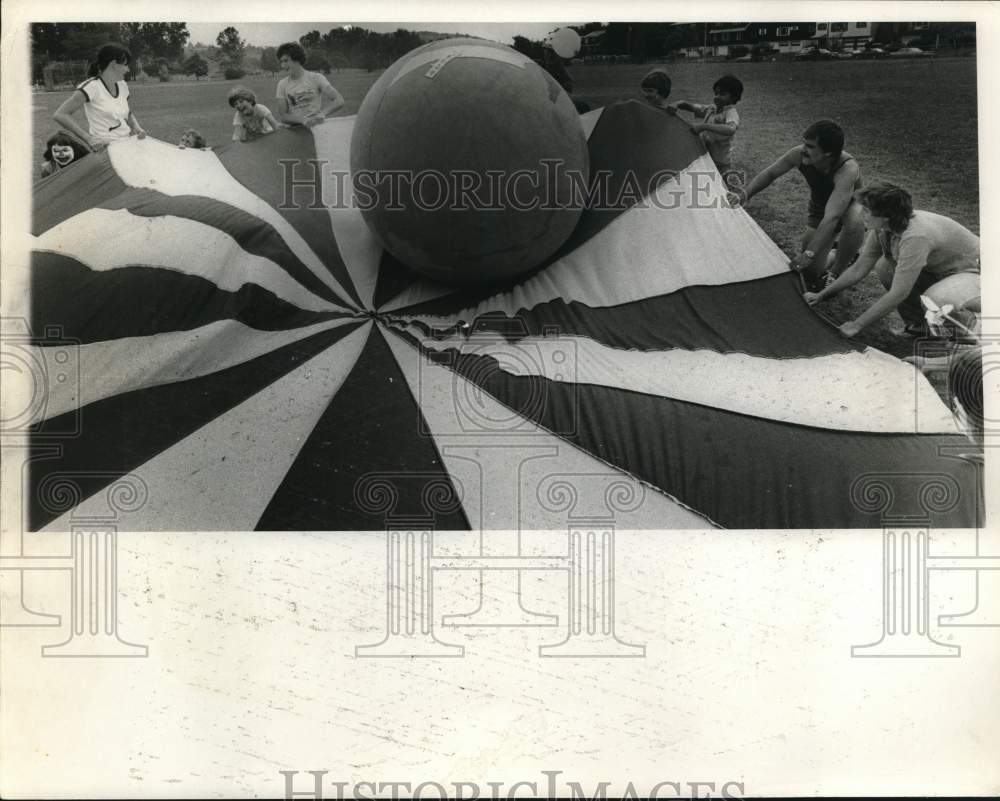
590, 44
843, 35
783, 37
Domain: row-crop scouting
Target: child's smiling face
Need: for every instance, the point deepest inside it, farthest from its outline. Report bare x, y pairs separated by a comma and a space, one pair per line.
187, 140
62, 154
243, 106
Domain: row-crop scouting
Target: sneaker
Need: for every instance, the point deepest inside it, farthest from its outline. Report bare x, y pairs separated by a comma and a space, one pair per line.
817, 283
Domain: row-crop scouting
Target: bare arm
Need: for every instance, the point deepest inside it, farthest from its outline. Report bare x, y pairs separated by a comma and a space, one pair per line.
291, 117
64, 118
912, 258
896, 294
687, 105
836, 206
870, 253
765, 178
272, 121
331, 101
134, 126
721, 128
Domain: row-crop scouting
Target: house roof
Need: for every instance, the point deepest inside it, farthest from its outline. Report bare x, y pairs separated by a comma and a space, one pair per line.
729, 30
856, 33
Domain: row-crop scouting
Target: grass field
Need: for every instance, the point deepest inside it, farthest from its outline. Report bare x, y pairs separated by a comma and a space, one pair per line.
910, 122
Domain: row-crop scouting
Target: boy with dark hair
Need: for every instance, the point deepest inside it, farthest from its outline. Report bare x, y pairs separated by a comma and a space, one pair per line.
304, 97
655, 88
718, 121
833, 176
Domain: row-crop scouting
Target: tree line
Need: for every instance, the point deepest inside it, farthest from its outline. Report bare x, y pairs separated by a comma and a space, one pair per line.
149, 42
161, 47
352, 46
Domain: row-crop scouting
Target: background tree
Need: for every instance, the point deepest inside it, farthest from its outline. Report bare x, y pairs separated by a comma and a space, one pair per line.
47, 40
529, 47
317, 61
311, 40
154, 40
83, 40
72, 41
402, 42
269, 60
675, 38
195, 65
231, 49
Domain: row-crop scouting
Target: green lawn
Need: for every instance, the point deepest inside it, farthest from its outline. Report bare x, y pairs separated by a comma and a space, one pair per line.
909, 122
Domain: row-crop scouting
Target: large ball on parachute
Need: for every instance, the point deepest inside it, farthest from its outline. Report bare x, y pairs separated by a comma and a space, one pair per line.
469, 162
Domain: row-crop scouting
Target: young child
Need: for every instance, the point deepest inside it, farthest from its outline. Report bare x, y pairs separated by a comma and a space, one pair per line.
717, 123
60, 151
191, 138
251, 119
655, 89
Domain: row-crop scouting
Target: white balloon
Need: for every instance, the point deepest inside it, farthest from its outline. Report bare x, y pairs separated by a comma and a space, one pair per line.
566, 42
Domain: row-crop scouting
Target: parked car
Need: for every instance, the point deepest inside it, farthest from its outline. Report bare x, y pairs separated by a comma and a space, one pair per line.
844, 54
870, 52
910, 52
744, 58
814, 54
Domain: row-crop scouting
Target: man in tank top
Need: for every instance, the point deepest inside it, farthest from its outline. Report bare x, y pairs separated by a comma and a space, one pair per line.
833, 176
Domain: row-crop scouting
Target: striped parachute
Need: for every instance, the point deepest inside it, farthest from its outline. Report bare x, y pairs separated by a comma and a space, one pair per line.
261, 364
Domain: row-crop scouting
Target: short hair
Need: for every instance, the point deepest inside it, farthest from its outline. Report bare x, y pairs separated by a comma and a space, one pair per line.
887, 200
293, 50
61, 138
110, 52
199, 140
241, 93
658, 80
730, 84
965, 383
828, 135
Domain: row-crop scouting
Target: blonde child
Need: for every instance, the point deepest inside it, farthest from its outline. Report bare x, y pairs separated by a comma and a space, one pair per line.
251, 119
191, 138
